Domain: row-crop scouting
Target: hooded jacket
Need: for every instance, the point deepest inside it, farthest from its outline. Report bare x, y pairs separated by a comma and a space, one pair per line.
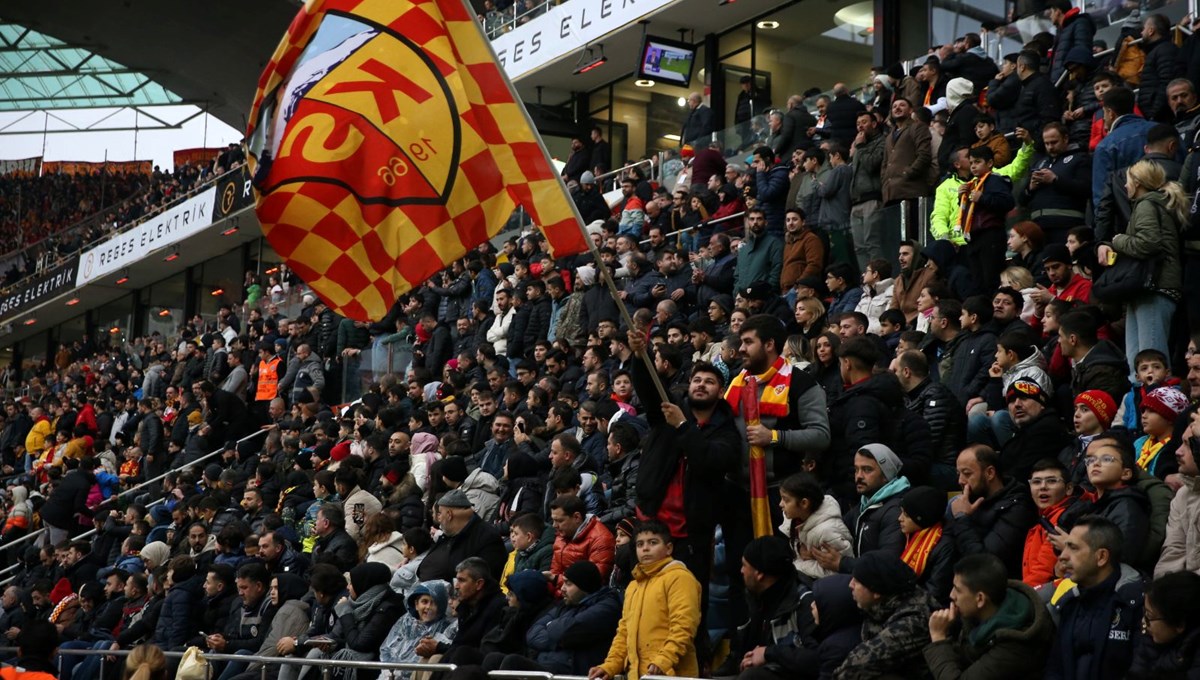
965, 362
824, 527
658, 623
1153, 235
838, 630
570, 639
1011, 644
1076, 30
876, 300
865, 413
400, 646
875, 523
483, 490
894, 632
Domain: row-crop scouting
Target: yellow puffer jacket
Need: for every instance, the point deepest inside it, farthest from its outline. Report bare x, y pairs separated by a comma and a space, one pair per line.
35, 441
658, 622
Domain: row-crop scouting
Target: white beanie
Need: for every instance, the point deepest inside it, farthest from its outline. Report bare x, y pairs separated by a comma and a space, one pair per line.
958, 90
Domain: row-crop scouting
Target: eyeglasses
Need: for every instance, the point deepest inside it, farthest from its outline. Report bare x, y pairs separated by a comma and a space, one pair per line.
1046, 481
1107, 459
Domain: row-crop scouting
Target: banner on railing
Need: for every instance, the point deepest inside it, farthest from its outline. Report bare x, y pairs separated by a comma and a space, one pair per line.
199, 156
23, 167
89, 168
563, 29
166, 228
234, 193
36, 290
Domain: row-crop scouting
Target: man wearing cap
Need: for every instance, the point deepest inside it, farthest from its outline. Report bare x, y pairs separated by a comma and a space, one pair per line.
760, 257
896, 614
1059, 186
992, 514
1038, 432
464, 535
769, 643
875, 519
1064, 283
589, 200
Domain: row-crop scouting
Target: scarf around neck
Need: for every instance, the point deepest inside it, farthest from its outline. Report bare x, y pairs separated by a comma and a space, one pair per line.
774, 399
920, 545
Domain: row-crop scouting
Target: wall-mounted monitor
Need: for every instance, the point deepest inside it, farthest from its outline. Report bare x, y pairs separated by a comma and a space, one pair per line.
666, 61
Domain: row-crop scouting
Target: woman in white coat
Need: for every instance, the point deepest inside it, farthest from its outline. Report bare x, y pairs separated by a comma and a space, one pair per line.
877, 287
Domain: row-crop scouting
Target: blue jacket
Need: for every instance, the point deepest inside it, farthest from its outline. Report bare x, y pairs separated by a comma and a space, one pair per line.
570, 639
180, 615
1122, 147
771, 191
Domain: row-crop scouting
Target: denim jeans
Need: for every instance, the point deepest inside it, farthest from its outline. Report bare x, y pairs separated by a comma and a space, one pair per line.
1147, 326
993, 430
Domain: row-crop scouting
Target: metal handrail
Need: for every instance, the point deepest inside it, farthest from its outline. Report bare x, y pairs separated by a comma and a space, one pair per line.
326, 665
613, 173
700, 226
140, 487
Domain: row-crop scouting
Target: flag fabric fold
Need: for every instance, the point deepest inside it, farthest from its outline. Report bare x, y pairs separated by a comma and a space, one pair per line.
760, 508
385, 142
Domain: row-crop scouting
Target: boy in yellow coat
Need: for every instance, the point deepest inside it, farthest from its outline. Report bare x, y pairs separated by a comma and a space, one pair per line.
660, 616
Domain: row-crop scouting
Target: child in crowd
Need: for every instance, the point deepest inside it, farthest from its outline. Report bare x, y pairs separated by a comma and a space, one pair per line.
426, 615
660, 616
987, 135
1017, 358
532, 546
928, 550
1152, 369
811, 519
1112, 471
1161, 407
1094, 413
415, 547
1052, 494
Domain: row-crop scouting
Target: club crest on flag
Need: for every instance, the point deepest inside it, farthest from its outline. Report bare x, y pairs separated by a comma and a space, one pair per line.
385, 142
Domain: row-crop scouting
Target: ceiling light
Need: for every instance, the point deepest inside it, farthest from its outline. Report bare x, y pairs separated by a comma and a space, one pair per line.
644, 83
217, 292
682, 101
124, 279
165, 312
174, 255
725, 2
673, 138
230, 231
858, 15
72, 302
272, 270
588, 60
768, 25
114, 330
30, 322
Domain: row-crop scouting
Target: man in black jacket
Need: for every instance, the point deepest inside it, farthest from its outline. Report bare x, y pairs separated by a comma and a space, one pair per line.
1060, 185
250, 615
480, 607
1096, 364
1038, 432
464, 535
991, 515
874, 517
942, 411
68, 501
780, 613
1038, 102
334, 544
1160, 67
700, 438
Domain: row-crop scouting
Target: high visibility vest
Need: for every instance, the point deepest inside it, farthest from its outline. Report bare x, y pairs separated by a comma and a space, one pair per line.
17, 673
268, 380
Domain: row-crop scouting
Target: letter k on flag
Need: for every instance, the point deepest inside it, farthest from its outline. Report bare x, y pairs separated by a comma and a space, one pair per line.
385, 143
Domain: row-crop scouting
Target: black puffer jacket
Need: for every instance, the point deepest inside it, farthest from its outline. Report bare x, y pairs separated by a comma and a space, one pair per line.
1043, 437
1128, 507
68, 501
1104, 368
997, 526
1161, 67
964, 365
944, 413
875, 527
539, 320
1176, 660
864, 414
1037, 104
1077, 30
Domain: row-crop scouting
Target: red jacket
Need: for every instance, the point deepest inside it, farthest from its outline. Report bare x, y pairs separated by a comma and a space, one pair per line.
1037, 564
592, 542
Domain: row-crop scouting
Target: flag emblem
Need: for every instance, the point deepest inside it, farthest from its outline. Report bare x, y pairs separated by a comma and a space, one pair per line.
385, 143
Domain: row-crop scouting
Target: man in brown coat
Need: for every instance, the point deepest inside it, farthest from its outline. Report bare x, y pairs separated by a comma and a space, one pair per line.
803, 250
907, 160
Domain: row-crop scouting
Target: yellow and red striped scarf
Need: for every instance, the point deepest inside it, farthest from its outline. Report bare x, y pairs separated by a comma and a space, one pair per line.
774, 399
920, 544
1150, 449
967, 212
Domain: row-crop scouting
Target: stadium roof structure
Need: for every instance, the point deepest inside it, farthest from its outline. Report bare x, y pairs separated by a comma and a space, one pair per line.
167, 62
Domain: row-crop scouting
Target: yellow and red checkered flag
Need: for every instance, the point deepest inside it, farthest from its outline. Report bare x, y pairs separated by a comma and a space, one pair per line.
385, 142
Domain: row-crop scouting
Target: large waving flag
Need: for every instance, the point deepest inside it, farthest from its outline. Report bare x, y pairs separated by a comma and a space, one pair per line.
385, 142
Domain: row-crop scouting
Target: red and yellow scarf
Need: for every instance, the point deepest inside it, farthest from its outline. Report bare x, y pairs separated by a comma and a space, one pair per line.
967, 212
774, 399
1150, 449
920, 545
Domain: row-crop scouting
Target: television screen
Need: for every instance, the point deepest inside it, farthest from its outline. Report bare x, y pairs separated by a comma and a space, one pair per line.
667, 61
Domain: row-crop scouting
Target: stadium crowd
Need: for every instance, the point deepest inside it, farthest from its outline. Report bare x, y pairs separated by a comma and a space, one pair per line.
980, 463
47, 218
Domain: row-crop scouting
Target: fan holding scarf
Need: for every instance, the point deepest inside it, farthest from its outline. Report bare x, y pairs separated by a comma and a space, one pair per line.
928, 551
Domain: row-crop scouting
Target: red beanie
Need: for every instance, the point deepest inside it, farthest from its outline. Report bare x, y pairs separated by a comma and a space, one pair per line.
340, 451
1101, 403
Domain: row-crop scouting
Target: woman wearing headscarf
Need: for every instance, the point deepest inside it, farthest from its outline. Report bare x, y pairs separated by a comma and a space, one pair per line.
426, 616
423, 453
291, 620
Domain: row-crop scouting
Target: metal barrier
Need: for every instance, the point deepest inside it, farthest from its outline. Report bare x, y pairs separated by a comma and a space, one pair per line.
136, 489
326, 665
620, 171
699, 226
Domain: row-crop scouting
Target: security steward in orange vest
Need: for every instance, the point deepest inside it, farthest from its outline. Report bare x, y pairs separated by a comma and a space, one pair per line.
37, 644
269, 365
